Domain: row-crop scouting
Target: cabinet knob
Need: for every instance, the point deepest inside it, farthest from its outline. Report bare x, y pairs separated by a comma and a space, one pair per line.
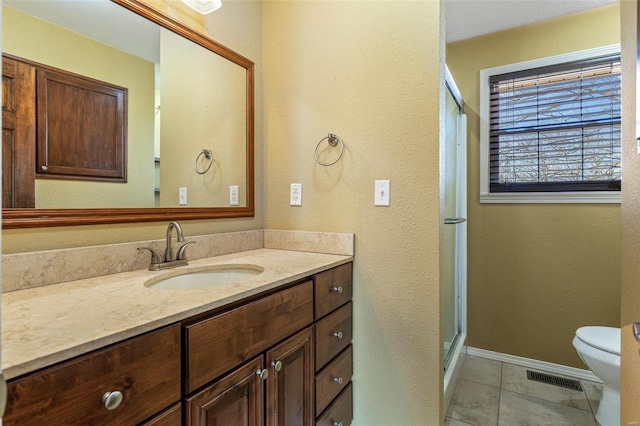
338, 380
112, 400
338, 335
337, 423
263, 374
338, 289
277, 365
44, 168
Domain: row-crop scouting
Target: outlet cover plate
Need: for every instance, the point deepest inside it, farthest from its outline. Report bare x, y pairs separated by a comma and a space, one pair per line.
296, 194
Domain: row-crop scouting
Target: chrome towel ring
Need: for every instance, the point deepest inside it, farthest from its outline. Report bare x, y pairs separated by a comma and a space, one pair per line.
207, 155
332, 140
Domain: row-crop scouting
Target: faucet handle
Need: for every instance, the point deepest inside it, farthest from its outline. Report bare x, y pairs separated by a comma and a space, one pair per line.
156, 257
181, 255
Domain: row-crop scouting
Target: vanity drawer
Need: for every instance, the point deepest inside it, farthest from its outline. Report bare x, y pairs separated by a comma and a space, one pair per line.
333, 334
169, 417
340, 412
145, 369
333, 378
333, 289
216, 345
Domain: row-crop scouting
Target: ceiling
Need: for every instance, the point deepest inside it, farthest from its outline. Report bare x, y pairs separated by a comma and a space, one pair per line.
464, 18
471, 18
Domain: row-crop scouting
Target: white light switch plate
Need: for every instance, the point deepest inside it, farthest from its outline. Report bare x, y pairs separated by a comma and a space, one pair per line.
296, 194
233, 195
382, 193
182, 196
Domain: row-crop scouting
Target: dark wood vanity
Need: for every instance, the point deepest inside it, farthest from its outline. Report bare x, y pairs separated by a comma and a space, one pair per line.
280, 358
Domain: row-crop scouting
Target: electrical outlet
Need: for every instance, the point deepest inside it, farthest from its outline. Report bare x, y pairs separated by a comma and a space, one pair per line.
296, 194
233, 195
382, 193
182, 196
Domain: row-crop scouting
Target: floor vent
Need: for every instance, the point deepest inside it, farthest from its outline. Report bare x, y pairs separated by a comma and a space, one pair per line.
554, 380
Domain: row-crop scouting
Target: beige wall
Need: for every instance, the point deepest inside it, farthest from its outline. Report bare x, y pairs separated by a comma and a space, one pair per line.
536, 272
237, 25
40, 41
630, 374
208, 115
368, 72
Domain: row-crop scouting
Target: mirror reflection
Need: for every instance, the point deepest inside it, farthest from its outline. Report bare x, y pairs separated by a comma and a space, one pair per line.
182, 99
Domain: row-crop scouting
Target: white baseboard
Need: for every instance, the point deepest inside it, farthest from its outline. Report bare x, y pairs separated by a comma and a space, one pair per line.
549, 367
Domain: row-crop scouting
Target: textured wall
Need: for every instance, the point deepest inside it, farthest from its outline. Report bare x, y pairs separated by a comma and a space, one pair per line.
536, 272
369, 72
218, 104
630, 374
237, 25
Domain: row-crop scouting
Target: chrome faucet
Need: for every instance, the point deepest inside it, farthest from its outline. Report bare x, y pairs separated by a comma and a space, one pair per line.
170, 260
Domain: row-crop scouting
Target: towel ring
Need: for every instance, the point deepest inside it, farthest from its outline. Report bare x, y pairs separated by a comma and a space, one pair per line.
209, 156
332, 140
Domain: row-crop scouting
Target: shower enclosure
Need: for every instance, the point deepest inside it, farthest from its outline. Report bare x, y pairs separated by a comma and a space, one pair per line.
454, 224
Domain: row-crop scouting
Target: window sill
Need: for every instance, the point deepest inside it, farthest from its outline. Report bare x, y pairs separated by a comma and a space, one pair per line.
595, 197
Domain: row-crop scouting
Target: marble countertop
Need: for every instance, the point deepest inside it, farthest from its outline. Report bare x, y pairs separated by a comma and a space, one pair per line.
46, 325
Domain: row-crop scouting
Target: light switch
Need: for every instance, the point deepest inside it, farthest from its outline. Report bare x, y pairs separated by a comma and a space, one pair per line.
296, 194
382, 189
182, 196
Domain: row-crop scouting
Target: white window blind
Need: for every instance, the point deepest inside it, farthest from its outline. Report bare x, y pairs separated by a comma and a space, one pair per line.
556, 128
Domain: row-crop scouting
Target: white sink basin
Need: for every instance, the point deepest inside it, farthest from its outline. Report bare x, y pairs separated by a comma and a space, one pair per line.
204, 277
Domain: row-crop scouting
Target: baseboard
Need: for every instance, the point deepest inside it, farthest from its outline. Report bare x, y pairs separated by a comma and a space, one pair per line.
549, 367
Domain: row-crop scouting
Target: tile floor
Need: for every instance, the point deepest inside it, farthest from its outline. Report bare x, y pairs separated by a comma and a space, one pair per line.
497, 393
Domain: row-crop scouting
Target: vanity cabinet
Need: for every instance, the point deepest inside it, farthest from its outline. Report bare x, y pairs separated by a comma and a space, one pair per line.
145, 371
261, 392
286, 369
333, 351
306, 377
283, 359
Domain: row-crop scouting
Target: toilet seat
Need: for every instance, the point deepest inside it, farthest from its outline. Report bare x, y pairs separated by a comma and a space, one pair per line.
604, 338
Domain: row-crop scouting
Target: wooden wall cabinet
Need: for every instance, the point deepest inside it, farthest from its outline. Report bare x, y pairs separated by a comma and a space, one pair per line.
82, 127
60, 125
271, 361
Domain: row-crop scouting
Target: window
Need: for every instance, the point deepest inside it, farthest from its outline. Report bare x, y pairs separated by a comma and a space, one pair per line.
551, 129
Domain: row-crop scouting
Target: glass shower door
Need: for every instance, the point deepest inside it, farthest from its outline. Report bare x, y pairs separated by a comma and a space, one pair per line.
454, 247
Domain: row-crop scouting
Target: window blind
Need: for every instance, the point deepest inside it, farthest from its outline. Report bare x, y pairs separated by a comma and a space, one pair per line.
556, 128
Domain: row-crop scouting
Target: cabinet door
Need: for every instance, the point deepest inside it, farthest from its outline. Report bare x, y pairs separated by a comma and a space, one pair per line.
18, 134
236, 399
82, 127
290, 385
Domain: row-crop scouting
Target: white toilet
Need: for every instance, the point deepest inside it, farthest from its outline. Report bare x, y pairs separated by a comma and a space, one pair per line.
599, 348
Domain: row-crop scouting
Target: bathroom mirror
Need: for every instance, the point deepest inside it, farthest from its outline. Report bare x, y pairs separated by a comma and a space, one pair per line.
203, 94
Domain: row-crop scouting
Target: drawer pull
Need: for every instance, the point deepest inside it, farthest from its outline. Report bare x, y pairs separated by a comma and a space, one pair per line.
277, 365
263, 374
338, 380
112, 400
338, 335
337, 423
338, 290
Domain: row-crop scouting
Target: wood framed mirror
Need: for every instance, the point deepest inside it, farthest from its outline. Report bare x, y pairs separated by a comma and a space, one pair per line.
46, 217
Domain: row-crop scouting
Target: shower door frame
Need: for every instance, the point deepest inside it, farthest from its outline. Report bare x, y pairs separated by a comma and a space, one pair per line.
458, 344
